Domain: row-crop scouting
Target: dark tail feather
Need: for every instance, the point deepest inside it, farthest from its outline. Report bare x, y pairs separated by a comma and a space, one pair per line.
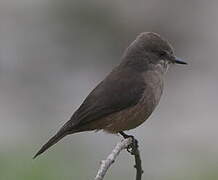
57, 137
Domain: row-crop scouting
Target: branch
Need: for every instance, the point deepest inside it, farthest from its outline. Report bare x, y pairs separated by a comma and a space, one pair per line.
138, 162
131, 145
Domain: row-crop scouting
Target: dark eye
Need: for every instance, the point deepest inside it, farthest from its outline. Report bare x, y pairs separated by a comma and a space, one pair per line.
162, 53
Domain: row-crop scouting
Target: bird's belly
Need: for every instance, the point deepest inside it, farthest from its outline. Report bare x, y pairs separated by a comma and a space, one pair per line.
126, 119
130, 118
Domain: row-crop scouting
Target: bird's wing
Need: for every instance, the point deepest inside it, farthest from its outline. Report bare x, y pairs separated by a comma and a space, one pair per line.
120, 90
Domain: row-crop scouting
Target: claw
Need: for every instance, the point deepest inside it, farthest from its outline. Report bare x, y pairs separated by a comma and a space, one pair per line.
133, 146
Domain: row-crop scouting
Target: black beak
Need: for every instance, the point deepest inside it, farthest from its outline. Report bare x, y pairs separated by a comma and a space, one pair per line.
179, 61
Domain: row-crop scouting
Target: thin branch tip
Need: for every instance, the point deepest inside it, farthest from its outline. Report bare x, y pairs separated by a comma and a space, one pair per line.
131, 144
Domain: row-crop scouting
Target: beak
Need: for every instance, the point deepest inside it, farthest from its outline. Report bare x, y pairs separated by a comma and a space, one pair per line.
179, 61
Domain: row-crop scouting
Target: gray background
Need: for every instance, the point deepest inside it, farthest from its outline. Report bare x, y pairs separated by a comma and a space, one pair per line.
53, 53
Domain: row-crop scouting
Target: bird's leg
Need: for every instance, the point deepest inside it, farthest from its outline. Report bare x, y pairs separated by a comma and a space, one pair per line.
133, 146
125, 136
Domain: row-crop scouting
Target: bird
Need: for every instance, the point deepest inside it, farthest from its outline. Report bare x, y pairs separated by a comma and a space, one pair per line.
129, 93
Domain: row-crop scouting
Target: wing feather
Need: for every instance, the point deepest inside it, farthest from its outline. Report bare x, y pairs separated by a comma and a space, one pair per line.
120, 90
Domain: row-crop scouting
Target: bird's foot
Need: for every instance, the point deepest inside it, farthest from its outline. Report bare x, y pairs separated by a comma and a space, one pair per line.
133, 146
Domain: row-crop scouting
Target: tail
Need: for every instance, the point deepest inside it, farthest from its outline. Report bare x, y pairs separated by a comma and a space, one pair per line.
57, 137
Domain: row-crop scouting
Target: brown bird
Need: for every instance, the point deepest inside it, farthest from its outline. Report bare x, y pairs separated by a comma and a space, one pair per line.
128, 95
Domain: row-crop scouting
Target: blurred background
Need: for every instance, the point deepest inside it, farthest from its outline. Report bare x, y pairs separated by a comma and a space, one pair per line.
53, 53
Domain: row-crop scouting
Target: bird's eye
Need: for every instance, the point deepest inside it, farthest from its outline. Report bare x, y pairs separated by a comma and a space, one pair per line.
162, 53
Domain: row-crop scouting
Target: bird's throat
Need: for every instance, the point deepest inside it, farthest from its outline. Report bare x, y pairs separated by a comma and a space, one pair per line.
162, 67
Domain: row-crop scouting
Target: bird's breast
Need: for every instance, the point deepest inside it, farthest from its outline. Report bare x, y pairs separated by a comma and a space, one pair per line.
154, 88
134, 116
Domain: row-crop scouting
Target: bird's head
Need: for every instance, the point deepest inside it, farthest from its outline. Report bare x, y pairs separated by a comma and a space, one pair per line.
154, 49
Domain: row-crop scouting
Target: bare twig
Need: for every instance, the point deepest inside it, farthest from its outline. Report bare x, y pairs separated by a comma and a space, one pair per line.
123, 144
138, 162
105, 164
